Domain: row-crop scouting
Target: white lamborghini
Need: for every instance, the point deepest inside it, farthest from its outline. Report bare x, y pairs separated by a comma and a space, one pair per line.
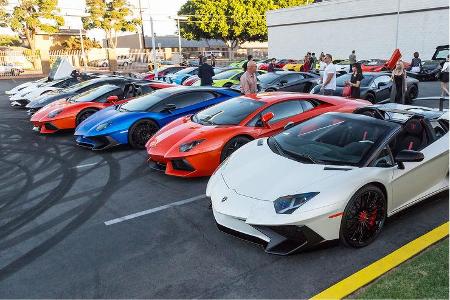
336, 176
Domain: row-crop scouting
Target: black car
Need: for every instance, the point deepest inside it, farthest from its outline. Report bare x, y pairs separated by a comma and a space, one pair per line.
375, 87
428, 72
81, 87
287, 81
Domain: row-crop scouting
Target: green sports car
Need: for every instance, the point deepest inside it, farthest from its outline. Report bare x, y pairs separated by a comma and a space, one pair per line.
229, 78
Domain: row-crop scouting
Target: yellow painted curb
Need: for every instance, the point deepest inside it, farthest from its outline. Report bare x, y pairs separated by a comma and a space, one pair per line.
361, 278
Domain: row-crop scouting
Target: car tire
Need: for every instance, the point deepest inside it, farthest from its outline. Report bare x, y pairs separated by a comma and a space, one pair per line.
125, 64
371, 98
141, 132
270, 90
232, 145
412, 94
84, 114
363, 217
104, 65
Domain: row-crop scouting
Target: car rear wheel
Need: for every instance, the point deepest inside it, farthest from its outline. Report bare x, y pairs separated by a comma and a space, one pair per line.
84, 114
370, 97
141, 132
363, 217
232, 145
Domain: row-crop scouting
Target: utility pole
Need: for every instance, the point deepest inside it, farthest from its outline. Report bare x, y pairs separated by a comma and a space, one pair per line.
141, 37
398, 22
83, 54
178, 18
155, 63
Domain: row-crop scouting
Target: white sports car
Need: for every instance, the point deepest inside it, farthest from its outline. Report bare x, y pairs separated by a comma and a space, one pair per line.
336, 176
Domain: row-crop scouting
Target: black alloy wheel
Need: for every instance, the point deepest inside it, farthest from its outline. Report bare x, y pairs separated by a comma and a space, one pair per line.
363, 217
232, 145
84, 114
141, 132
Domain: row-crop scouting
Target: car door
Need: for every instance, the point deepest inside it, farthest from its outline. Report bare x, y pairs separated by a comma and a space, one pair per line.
294, 83
382, 86
284, 112
418, 178
103, 99
189, 103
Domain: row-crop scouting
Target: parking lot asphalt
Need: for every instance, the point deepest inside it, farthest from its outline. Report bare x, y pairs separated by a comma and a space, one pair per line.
56, 197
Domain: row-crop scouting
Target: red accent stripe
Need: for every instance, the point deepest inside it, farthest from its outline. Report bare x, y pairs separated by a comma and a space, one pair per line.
410, 145
335, 215
365, 135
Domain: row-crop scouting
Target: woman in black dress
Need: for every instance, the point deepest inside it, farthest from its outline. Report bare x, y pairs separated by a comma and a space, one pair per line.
399, 87
355, 81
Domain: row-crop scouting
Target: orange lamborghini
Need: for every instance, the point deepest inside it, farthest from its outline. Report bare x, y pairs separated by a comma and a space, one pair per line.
195, 145
68, 113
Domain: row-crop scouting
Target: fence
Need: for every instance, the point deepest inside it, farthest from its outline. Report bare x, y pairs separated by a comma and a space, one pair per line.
105, 60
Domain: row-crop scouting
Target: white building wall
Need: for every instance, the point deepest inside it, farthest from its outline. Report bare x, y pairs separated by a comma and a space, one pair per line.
368, 26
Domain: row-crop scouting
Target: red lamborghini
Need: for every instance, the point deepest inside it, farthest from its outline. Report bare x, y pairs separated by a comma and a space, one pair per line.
195, 145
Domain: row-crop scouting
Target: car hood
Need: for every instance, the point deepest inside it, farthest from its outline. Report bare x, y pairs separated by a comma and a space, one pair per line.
44, 111
181, 131
43, 100
276, 175
118, 121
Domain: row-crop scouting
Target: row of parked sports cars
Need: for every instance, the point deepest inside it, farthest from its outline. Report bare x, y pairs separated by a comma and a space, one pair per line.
288, 170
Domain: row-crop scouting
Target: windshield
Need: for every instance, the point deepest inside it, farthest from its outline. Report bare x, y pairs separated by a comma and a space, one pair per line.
268, 77
91, 95
230, 112
330, 139
225, 74
76, 87
375, 62
187, 70
340, 81
144, 102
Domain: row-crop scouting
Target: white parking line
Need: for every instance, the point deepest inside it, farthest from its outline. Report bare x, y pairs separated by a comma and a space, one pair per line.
86, 165
153, 210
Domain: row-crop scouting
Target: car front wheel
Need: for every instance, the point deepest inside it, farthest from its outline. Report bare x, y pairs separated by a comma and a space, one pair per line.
363, 217
141, 132
232, 145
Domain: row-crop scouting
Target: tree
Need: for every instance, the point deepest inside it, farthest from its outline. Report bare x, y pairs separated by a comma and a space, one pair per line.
73, 43
232, 21
112, 16
32, 16
10, 40
3, 14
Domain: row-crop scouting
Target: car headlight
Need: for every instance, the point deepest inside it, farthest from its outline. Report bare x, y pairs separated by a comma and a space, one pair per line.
103, 126
288, 204
188, 146
54, 113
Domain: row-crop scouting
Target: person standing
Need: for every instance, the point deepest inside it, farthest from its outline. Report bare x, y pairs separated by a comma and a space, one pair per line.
352, 59
416, 63
355, 81
443, 78
329, 76
213, 60
205, 73
399, 87
249, 58
313, 60
249, 83
306, 64
271, 67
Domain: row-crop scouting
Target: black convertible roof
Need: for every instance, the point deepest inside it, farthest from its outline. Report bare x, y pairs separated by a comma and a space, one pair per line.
402, 113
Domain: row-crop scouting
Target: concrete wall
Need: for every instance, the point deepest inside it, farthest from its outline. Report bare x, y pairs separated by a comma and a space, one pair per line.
368, 26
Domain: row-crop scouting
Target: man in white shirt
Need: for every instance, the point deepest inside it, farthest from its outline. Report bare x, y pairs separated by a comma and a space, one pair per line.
329, 76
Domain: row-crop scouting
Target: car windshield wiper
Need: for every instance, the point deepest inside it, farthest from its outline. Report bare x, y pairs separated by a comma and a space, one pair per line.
208, 121
303, 156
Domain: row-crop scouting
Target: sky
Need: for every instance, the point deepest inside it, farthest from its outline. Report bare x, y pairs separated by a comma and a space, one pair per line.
160, 11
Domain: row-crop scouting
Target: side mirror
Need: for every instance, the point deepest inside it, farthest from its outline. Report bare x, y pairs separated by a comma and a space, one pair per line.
266, 118
289, 125
112, 99
169, 107
283, 82
408, 156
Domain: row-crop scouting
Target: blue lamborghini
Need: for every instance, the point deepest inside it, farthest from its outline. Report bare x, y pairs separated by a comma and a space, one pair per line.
135, 121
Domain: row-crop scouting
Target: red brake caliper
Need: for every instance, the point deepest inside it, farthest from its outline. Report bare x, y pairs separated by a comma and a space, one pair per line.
373, 217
